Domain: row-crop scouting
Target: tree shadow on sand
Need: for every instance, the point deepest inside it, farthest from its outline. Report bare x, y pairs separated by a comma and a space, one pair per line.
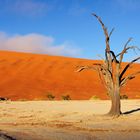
131, 111
4, 136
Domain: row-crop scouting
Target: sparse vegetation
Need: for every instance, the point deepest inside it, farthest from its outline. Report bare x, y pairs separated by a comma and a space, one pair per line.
123, 96
50, 96
66, 97
94, 97
3, 99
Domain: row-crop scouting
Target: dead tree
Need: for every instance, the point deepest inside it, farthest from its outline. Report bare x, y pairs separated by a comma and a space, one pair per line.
111, 72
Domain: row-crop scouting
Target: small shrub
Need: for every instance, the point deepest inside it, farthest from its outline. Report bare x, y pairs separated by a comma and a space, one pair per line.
123, 96
50, 96
66, 97
3, 99
94, 98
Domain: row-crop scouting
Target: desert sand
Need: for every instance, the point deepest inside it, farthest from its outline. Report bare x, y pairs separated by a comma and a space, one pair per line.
68, 120
26, 76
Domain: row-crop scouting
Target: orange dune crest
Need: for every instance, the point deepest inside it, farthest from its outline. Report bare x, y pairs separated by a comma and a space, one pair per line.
33, 77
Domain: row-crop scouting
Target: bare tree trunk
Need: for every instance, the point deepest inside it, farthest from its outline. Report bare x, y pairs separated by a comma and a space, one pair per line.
115, 94
115, 103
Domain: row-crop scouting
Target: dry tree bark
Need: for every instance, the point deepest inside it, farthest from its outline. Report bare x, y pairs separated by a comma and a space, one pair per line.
110, 70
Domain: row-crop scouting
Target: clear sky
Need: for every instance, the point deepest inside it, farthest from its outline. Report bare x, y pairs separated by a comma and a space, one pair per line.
66, 27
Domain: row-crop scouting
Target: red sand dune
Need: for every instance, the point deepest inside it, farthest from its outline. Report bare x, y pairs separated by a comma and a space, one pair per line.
33, 76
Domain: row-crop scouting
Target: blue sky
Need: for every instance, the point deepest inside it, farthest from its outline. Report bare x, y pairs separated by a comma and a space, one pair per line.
66, 27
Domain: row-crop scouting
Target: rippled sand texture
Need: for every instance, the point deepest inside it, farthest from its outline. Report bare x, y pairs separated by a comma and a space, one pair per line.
68, 120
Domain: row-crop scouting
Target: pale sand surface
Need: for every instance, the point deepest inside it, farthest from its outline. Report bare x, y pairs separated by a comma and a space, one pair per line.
68, 120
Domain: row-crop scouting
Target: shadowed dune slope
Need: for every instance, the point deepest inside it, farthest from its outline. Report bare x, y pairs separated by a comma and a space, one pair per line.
33, 76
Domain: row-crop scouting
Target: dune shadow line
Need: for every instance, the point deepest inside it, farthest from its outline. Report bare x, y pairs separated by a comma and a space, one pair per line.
131, 111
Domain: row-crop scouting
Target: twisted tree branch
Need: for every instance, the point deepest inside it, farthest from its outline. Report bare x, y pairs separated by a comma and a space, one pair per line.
127, 66
85, 67
105, 31
114, 57
125, 51
111, 32
107, 38
129, 77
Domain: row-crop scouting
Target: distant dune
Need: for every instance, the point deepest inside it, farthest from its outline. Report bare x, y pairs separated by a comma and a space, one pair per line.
32, 76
